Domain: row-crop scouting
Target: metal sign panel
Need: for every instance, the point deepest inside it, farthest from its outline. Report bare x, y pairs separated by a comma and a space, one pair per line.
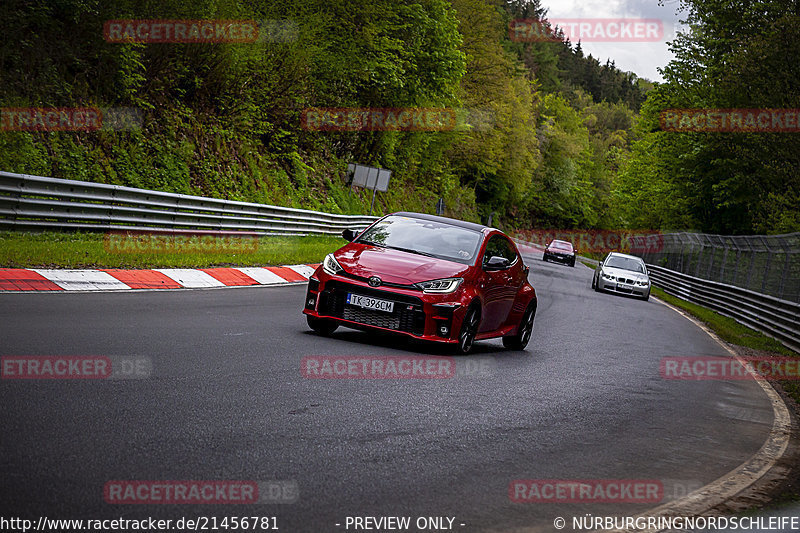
370, 177
383, 180
360, 176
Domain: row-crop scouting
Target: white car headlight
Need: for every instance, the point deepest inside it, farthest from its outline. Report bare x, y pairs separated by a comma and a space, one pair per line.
643, 282
607, 276
331, 265
442, 286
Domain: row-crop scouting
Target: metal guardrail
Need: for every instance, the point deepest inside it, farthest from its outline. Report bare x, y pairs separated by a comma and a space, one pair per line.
767, 264
35, 202
772, 316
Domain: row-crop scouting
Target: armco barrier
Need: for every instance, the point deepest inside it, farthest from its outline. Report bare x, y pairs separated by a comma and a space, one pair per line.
772, 316
777, 318
35, 202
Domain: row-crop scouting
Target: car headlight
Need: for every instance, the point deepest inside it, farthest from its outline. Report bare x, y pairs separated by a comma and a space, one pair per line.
331, 265
606, 276
643, 283
440, 285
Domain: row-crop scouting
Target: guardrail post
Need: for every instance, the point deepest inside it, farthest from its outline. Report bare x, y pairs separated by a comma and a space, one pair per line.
699, 260
17, 194
724, 261
766, 272
785, 268
710, 262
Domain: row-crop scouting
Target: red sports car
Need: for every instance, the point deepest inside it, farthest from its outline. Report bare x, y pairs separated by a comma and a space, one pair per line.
428, 277
560, 251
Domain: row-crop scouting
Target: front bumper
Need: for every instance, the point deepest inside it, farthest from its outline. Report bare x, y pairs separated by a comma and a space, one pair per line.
431, 317
623, 286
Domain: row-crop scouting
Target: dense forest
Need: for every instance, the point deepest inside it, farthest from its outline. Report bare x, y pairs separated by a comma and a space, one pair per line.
563, 140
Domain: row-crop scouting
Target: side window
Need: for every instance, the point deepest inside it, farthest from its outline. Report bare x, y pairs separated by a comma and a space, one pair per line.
499, 246
508, 250
492, 248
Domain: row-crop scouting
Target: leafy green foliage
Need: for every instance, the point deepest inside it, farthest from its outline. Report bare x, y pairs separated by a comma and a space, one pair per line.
735, 55
544, 135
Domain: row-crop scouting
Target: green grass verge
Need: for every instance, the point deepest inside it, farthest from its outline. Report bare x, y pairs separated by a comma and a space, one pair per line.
97, 250
727, 328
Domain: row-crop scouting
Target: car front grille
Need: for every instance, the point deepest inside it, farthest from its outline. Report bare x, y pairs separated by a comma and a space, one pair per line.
370, 317
407, 315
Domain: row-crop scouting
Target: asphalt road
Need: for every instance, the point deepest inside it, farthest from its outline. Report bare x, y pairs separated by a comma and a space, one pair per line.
225, 400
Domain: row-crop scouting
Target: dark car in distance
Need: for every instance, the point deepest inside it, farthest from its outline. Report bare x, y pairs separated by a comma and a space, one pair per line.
559, 252
427, 277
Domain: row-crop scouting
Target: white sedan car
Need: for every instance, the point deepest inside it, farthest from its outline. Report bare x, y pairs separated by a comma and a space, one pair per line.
622, 273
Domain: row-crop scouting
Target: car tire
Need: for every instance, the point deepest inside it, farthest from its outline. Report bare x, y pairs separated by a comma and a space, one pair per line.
321, 326
596, 285
572, 264
646, 297
520, 340
469, 329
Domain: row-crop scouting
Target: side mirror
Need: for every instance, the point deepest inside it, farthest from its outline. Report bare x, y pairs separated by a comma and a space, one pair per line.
349, 234
496, 263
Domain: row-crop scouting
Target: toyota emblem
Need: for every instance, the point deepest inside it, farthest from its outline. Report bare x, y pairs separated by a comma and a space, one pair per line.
374, 281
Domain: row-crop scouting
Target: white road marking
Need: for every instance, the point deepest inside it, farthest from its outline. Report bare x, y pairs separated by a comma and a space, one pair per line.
190, 278
303, 270
262, 275
82, 280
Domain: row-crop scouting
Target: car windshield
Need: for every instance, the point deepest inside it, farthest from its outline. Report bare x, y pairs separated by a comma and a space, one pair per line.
561, 245
424, 237
625, 263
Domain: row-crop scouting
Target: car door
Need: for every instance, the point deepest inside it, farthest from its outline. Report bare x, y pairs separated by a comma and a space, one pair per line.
499, 286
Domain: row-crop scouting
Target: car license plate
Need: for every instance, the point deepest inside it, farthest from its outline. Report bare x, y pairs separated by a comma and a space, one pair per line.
367, 302
624, 287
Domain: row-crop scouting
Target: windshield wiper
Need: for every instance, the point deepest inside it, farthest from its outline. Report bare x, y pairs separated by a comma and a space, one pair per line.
411, 251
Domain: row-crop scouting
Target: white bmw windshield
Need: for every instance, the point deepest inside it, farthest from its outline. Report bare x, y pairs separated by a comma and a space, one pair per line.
625, 263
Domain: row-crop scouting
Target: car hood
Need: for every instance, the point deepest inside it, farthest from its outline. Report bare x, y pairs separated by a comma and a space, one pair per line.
622, 273
395, 266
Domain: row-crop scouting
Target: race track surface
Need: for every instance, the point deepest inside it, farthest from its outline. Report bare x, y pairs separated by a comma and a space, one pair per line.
225, 400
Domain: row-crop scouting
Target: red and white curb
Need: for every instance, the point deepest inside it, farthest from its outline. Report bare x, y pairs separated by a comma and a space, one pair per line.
112, 279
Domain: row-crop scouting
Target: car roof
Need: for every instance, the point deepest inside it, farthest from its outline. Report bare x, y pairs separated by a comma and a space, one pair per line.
557, 241
444, 220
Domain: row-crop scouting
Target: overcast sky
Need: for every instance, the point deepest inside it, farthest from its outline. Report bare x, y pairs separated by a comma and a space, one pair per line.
642, 58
